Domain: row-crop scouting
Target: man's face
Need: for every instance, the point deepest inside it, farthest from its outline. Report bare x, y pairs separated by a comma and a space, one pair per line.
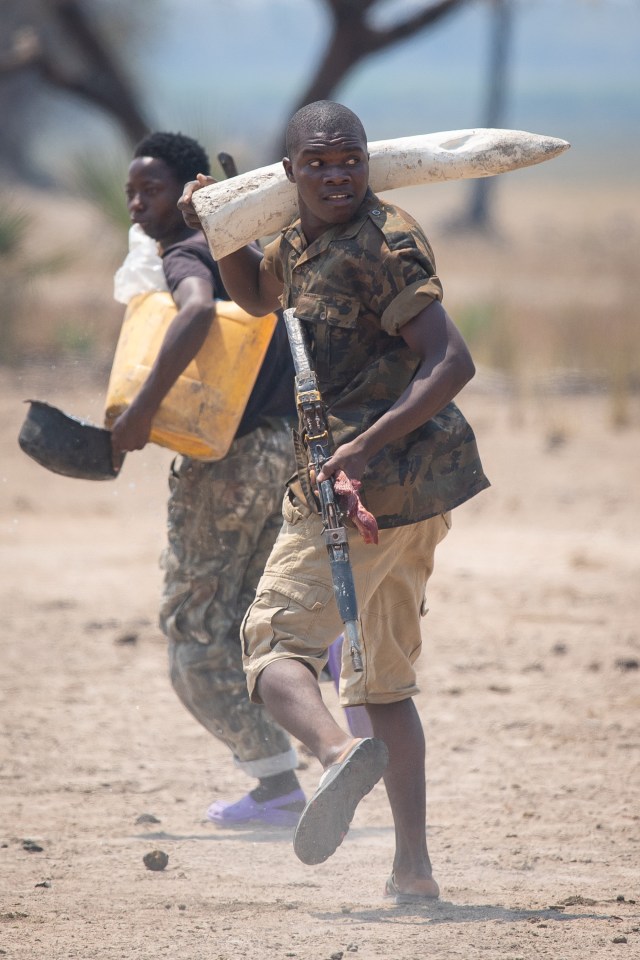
152, 193
331, 172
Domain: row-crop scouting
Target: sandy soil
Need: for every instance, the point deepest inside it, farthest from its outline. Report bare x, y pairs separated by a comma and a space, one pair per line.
530, 699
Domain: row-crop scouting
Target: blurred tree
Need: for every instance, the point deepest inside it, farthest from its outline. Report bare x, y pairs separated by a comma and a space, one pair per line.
61, 44
354, 36
479, 215
65, 45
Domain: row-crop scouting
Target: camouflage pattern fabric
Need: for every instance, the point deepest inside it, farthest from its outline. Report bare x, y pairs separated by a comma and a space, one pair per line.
354, 288
223, 518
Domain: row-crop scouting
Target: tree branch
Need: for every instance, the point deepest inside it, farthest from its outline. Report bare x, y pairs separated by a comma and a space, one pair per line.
25, 51
99, 81
407, 28
353, 39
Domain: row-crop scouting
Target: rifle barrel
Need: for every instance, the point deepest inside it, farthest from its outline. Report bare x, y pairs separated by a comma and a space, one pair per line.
314, 422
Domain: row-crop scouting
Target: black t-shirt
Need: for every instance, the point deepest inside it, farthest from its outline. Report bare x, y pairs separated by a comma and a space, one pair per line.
273, 394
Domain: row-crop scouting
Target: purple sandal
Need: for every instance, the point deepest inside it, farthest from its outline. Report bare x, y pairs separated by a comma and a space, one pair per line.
274, 812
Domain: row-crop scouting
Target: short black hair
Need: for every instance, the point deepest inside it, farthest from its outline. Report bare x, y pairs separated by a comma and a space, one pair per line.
323, 115
183, 155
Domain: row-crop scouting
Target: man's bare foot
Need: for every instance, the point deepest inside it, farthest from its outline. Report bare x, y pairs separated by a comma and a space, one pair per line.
418, 890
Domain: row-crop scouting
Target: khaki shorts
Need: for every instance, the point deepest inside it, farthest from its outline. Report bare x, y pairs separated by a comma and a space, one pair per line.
294, 614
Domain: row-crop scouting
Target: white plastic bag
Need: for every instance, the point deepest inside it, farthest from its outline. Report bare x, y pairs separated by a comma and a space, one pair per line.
142, 270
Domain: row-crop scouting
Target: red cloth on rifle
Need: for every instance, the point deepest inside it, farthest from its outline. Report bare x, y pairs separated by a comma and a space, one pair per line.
365, 521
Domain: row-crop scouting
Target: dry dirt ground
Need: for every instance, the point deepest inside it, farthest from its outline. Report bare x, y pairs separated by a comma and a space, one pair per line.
530, 673
530, 694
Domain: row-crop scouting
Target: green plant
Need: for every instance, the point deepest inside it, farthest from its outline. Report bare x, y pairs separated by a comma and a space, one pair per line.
13, 226
19, 271
101, 180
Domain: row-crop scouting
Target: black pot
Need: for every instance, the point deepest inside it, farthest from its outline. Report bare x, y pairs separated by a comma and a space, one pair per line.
65, 444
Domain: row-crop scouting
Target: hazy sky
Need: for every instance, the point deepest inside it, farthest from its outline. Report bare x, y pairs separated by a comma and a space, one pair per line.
229, 72
575, 69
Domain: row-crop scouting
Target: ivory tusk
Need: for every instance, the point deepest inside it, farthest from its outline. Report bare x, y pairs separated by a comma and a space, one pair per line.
262, 202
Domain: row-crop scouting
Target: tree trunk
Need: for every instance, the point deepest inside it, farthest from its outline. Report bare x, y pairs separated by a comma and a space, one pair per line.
479, 216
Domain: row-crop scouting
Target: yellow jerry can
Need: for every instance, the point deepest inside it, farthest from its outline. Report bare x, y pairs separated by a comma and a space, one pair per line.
200, 414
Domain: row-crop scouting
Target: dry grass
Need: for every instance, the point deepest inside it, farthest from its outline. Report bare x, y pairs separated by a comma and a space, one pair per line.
69, 312
548, 303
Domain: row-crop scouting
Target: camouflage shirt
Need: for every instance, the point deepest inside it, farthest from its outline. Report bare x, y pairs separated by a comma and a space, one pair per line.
355, 287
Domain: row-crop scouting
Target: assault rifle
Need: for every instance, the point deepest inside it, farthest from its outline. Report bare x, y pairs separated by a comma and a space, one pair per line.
316, 435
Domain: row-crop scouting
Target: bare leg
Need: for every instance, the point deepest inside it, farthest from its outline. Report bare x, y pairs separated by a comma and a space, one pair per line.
357, 717
398, 724
353, 765
291, 694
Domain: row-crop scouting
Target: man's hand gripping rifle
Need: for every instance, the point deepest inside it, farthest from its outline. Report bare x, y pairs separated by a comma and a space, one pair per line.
314, 423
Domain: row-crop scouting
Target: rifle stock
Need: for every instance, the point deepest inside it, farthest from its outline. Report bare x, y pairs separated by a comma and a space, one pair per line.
314, 423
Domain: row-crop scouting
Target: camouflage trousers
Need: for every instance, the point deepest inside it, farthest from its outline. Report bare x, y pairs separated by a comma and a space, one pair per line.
223, 518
